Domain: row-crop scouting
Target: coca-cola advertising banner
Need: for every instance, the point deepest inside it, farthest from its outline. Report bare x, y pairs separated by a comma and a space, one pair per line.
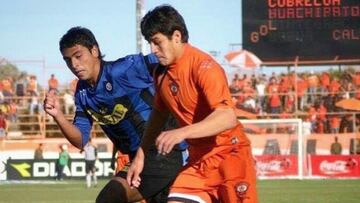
276, 165
335, 166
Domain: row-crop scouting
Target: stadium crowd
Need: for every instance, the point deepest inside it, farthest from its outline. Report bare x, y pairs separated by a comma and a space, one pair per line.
308, 95
21, 100
312, 97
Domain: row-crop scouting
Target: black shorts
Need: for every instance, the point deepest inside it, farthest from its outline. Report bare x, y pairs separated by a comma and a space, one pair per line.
89, 166
159, 172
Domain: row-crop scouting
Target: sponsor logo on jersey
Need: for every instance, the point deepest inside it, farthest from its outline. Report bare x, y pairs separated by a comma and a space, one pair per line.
115, 117
103, 110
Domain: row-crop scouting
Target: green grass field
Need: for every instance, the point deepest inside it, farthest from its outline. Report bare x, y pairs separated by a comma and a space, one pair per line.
270, 191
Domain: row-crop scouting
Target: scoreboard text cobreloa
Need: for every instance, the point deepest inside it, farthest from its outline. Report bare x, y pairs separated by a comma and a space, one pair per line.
281, 30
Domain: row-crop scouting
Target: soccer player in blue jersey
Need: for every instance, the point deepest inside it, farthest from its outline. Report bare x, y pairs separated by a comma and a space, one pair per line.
118, 95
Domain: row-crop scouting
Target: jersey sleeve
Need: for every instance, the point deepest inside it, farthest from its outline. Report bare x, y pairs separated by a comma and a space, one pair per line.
213, 83
144, 67
82, 121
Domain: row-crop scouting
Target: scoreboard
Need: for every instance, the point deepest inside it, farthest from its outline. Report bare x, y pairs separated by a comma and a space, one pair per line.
281, 30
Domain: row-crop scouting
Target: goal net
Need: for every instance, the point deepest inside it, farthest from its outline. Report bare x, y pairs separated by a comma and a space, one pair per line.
277, 146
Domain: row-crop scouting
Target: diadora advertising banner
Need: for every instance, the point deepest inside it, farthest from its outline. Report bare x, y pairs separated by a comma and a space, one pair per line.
28, 169
335, 166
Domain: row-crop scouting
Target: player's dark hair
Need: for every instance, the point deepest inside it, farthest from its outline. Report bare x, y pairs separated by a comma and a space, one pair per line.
79, 36
163, 19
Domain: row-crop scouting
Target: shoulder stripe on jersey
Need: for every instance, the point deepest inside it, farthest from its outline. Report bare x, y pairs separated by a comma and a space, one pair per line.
147, 96
150, 66
132, 115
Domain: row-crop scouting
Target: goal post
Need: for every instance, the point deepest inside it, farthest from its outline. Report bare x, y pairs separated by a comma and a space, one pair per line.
277, 146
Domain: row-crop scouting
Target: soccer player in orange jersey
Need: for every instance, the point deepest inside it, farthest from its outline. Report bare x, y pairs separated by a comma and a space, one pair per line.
193, 87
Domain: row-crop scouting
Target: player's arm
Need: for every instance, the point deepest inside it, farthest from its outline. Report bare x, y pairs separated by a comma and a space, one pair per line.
219, 120
70, 131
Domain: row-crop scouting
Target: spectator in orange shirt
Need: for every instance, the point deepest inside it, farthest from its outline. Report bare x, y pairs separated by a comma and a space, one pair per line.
284, 88
12, 111
356, 78
7, 86
274, 97
313, 82
32, 86
324, 80
73, 85
324, 85
301, 89
322, 112
322, 117
313, 117
334, 124
53, 83
334, 87
8, 91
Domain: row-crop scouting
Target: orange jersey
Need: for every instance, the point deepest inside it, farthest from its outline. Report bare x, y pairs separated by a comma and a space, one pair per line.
325, 79
193, 88
356, 79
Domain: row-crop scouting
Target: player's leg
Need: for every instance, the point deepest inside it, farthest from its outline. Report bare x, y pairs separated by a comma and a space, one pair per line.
238, 172
118, 191
190, 187
159, 173
157, 176
88, 174
93, 172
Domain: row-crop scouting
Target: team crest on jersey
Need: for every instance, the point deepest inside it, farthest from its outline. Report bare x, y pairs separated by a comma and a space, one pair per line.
174, 88
241, 189
108, 86
234, 140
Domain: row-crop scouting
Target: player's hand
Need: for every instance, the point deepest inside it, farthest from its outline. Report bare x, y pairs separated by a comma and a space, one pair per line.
51, 103
136, 167
166, 141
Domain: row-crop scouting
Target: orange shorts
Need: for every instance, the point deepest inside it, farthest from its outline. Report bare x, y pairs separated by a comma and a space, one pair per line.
228, 176
121, 162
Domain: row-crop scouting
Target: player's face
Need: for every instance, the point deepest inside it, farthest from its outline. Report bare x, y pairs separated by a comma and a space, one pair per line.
84, 63
167, 50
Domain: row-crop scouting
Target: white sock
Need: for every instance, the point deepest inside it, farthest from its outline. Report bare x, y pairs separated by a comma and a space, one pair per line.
95, 178
88, 180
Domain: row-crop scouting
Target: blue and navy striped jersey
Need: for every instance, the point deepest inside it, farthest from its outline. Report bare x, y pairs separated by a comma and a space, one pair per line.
120, 102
